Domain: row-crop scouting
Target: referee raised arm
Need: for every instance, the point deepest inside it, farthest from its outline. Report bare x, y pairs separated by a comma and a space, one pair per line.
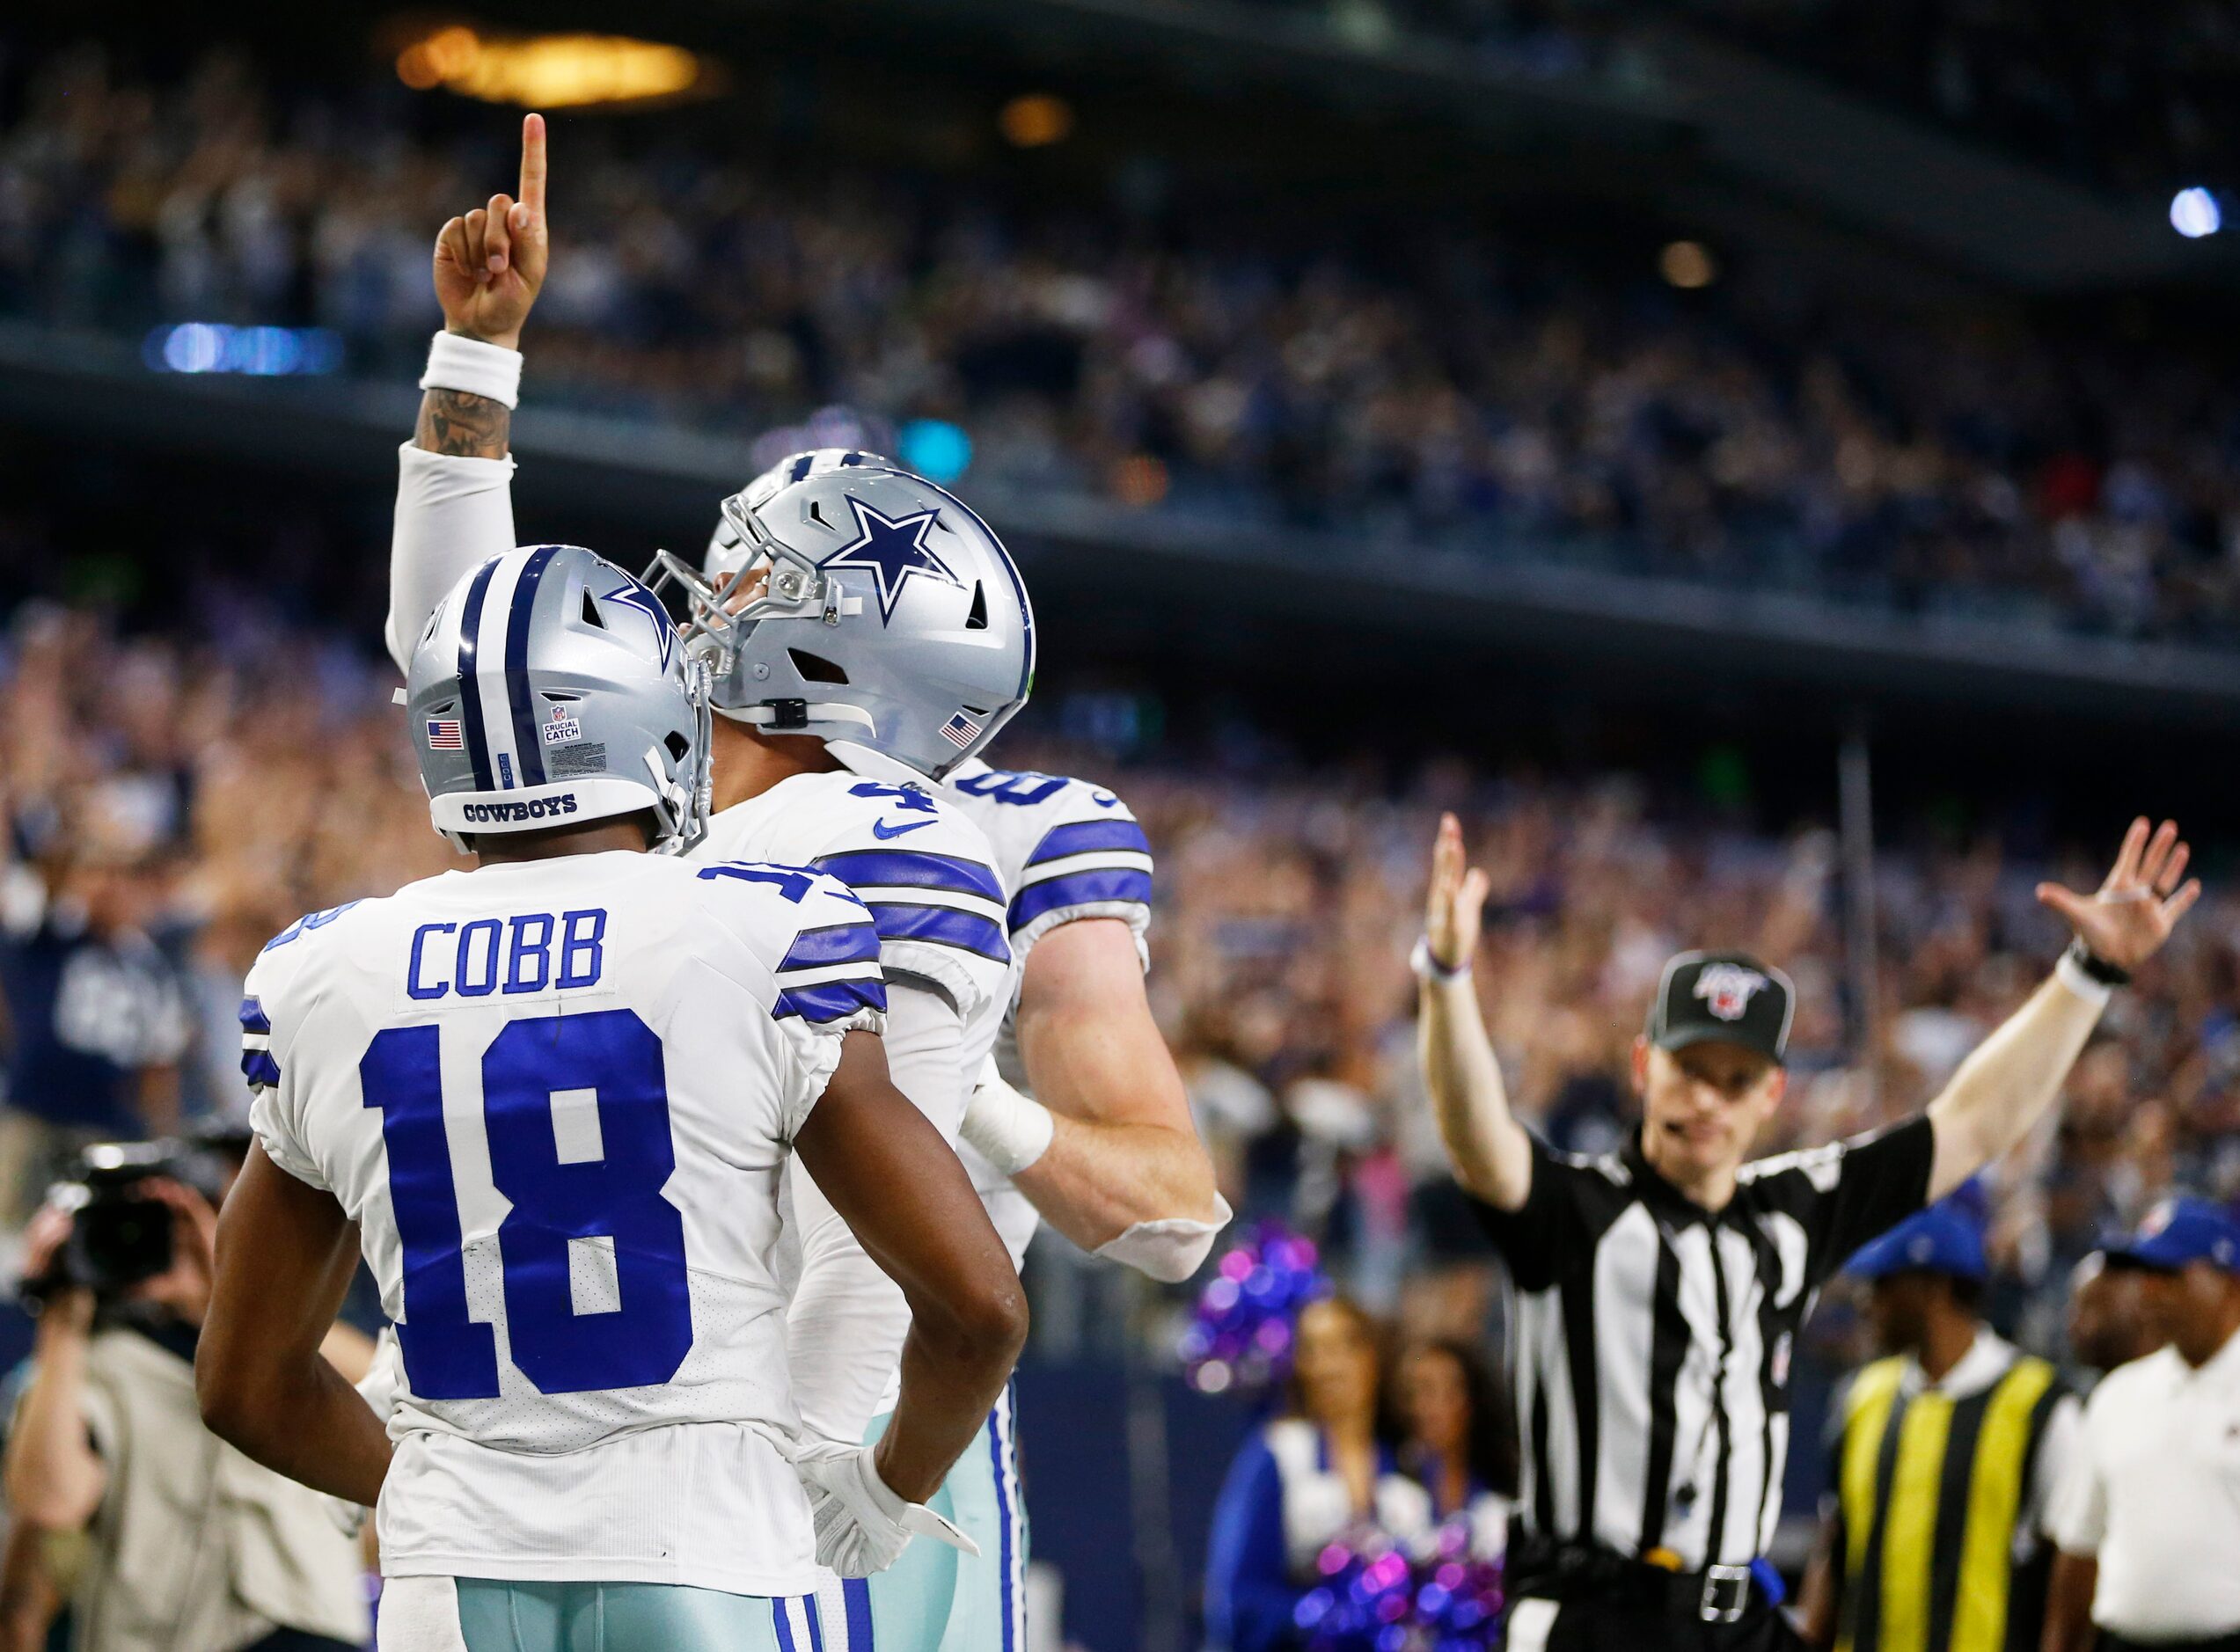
1659, 1290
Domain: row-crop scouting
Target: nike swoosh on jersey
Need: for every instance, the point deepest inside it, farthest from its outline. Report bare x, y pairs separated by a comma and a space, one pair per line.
883, 831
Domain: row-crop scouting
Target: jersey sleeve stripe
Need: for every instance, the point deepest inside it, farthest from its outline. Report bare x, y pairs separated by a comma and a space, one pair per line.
831, 1000
942, 926
1041, 871
253, 1018
1083, 836
1080, 888
855, 942
258, 1067
875, 868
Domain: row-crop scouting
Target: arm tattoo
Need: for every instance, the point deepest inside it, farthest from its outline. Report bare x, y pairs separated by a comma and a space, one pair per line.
463, 425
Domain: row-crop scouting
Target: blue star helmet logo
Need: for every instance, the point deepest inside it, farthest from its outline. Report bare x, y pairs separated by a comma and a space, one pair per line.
893, 550
629, 594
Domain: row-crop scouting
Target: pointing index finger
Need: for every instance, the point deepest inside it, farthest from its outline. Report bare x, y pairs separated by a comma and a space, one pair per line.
533, 164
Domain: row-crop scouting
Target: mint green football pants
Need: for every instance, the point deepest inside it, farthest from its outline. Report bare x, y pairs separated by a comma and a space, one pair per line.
495, 1615
935, 1599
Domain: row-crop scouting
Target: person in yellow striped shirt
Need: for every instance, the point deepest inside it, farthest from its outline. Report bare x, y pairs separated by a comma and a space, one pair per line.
1946, 1455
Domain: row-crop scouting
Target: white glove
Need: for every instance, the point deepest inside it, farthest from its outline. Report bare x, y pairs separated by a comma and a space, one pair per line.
863, 1524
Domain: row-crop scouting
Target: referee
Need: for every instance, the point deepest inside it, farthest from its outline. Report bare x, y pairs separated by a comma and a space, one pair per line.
1658, 1291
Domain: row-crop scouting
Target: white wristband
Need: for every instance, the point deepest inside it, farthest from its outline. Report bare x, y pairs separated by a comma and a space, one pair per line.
455, 361
1010, 1131
2071, 975
1429, 969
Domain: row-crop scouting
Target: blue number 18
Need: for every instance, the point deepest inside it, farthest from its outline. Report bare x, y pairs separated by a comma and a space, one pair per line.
617, 1196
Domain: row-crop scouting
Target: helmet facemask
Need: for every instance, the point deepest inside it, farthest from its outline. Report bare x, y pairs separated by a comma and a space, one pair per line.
794, 587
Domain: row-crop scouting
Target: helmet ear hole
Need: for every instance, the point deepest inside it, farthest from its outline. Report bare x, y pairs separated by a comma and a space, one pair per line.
678, 745
978, 619
591, 616
816, 668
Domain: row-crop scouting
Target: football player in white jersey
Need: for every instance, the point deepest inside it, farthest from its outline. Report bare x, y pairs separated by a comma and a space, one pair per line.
553, 1100
891, 637
1101, 1141
1105, 1148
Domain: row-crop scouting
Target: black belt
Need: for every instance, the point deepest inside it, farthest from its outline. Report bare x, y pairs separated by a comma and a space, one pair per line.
2215, 1643
1577, 1571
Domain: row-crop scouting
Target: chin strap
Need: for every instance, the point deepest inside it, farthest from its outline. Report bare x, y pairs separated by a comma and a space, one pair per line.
794, 716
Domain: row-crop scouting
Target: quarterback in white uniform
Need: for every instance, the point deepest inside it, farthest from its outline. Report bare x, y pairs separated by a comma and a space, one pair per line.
1112, 1160
554, 1098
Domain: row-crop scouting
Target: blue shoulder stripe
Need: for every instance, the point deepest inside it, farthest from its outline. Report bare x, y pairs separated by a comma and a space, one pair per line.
942, 926
1089, 836
888, 868
253, 1018
830, 1000
309, 921
1092, 885
856, 942
259, 1067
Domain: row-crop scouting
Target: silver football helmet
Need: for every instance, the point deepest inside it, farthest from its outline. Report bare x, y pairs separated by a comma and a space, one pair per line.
891, 622
552, 687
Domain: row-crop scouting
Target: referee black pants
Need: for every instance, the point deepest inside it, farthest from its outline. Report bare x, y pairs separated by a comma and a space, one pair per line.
1606, 1626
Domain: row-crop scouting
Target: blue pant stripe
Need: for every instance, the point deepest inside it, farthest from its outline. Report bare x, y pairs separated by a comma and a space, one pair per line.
778, 1618
996, 1450
815, 1625
855, 1593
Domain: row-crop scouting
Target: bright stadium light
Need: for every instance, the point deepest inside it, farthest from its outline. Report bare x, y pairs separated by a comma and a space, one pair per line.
936, 449
1687, 265
1034, 120
555, 71
208, 346
2193, 213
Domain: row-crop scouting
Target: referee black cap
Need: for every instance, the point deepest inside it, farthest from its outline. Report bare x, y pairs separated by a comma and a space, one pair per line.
1728, 997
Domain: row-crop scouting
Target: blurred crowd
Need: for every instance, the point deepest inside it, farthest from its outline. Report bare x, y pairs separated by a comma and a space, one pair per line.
168, 808
1440, 385
2123, 97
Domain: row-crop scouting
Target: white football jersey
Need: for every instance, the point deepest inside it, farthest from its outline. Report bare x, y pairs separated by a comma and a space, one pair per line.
927, 875
557, 1096
1065, 849
923, 869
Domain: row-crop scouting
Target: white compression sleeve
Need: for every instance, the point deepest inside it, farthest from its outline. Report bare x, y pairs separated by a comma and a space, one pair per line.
844, 1328
1169, 1250
452, 515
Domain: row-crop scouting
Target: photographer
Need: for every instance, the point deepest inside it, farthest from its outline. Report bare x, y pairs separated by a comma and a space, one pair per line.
160, 1537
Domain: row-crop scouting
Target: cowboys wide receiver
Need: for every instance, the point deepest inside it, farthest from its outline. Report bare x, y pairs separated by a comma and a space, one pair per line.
890, 639
555, 1098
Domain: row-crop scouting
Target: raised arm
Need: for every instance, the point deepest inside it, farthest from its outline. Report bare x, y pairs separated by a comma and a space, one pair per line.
1490, 1151
454, 503
905, 1196
2007, 1084
285, 1254
1123, 1173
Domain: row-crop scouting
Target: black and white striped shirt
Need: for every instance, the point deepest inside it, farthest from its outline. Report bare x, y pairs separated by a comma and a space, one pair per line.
1650, 1339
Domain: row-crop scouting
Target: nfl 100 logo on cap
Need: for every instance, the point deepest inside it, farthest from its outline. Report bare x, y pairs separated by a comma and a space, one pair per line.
1727, 989
1725, 996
